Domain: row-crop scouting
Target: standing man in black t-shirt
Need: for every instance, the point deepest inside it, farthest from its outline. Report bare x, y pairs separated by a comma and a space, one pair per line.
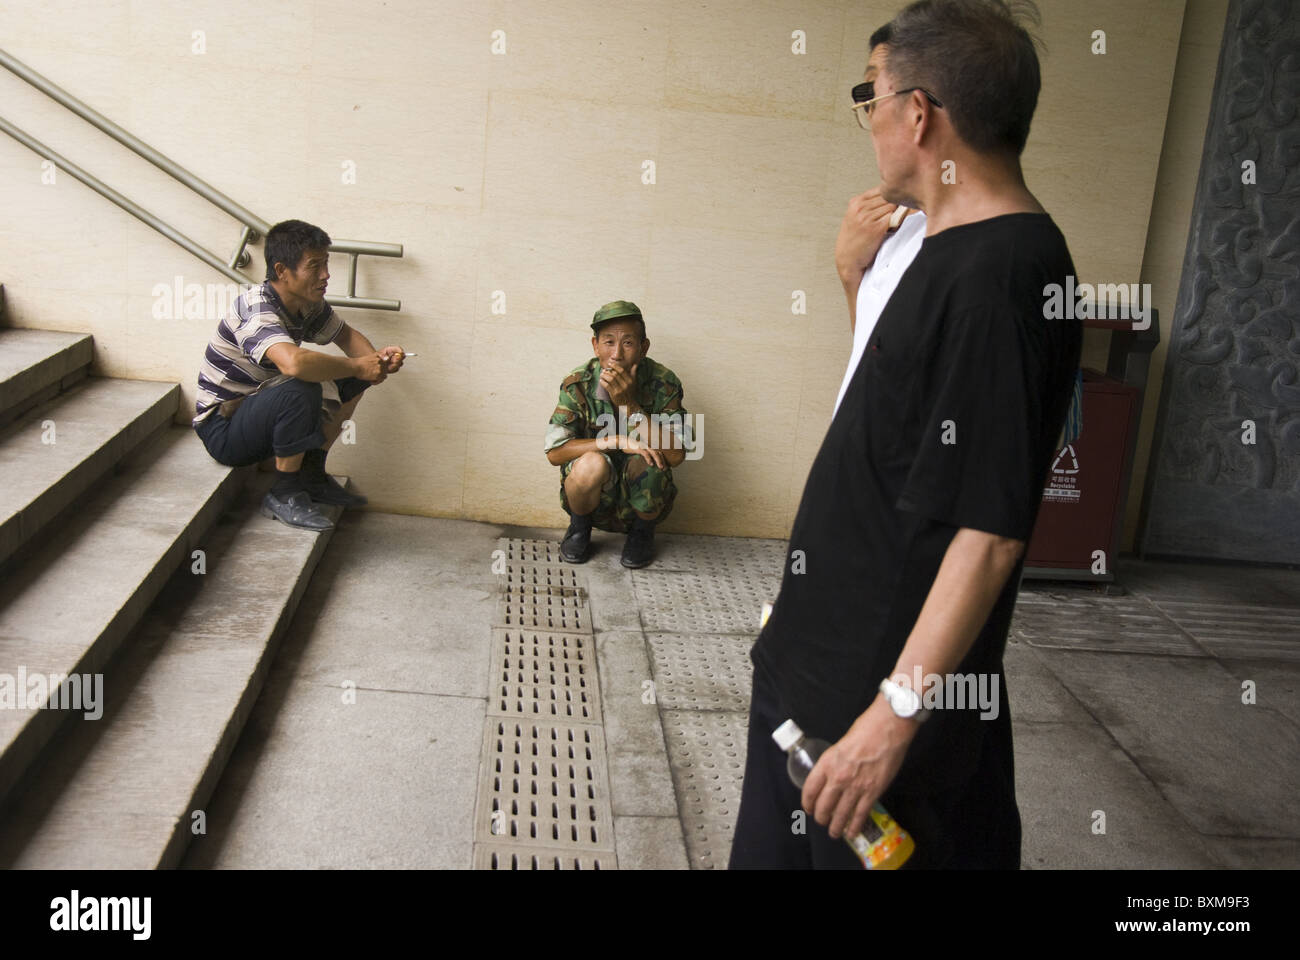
908, 544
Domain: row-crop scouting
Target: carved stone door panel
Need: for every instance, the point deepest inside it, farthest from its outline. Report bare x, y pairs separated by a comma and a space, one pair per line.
1225, 481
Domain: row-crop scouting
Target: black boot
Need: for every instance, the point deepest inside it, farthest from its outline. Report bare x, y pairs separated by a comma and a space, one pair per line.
638, 550
577, 539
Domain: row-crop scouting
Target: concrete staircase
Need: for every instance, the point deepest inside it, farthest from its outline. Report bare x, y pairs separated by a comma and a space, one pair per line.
103, 505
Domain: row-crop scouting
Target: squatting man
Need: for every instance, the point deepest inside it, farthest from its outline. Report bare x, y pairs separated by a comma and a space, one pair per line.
262, 394
618, 429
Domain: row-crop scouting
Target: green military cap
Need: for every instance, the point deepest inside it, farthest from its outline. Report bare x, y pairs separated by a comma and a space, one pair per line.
615, 310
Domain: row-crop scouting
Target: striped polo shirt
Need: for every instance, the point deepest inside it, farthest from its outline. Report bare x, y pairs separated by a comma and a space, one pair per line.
235, 363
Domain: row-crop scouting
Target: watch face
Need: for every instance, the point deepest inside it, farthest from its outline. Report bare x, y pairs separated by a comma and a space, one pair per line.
903, 700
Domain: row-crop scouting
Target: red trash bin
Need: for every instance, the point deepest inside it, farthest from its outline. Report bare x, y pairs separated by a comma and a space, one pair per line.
1083, 496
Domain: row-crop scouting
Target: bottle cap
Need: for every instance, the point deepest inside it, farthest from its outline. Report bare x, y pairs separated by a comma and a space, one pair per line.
787, 735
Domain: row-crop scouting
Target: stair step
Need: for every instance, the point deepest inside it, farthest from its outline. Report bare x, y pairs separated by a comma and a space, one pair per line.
95, 425
68, 606
119, 793
36, 364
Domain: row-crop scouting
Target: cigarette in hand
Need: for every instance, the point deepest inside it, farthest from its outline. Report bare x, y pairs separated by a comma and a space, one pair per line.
897, 217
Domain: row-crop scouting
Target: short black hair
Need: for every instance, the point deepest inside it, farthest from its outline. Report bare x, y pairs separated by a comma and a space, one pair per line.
287, 241
640, 320
978, 58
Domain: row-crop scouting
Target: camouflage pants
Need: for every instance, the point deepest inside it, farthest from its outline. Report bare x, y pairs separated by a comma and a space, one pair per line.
631, 485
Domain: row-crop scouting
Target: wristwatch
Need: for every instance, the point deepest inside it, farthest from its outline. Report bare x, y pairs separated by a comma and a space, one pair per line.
904, 701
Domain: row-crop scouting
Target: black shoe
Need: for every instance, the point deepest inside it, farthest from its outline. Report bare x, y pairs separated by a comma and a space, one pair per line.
296, 510
330, 491
577, 540
638, 549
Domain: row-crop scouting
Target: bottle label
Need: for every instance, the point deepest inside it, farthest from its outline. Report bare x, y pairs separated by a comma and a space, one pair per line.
879, 840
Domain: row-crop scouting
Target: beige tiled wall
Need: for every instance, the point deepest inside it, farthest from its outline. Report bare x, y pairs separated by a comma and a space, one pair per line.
522, 173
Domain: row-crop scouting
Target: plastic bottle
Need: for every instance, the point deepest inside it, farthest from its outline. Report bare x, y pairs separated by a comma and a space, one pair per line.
882, 844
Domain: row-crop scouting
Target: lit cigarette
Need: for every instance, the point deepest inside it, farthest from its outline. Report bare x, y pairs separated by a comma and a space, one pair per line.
408, 356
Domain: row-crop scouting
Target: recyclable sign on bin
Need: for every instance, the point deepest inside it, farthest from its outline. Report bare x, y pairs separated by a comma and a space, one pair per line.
1084, 491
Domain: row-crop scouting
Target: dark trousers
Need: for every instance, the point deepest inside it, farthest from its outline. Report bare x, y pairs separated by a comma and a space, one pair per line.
976, 826
279, 421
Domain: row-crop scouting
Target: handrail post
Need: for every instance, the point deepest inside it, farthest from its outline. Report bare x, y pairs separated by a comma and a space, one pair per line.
242, 257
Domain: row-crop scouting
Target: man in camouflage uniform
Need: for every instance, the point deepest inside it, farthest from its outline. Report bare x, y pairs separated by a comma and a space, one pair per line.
615, 462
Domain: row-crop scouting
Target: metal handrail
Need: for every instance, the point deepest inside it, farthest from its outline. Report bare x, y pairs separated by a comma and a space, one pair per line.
253, 225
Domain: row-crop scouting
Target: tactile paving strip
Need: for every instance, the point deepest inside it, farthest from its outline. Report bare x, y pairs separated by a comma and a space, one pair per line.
491, 856
544, 676
702, 672
695, 603
708, 842
707, 754
1112, 624
550, 784
726, 557
544, 607
1239, 630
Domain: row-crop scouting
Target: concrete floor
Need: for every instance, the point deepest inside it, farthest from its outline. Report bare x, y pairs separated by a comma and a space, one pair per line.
364, 748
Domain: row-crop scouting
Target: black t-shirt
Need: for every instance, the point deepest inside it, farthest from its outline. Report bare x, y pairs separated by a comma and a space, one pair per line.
950, 421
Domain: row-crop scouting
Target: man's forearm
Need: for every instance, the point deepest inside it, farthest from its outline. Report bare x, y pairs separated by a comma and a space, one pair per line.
570, 450
972, 574
316, 367
356, 344
852, 280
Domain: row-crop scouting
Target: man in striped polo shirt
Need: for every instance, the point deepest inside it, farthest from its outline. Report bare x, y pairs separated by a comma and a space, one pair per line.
261, 394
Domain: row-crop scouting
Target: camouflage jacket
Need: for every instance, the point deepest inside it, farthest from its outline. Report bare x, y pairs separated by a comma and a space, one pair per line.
578, 411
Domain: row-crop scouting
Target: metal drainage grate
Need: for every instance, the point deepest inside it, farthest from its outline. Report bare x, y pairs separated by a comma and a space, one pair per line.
548, 676
697, 603
492, 856
528, 607
544, 785
530, 551
700, 672
524, 573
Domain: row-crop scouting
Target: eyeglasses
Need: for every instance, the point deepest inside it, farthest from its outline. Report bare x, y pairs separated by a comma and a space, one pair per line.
863, 101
